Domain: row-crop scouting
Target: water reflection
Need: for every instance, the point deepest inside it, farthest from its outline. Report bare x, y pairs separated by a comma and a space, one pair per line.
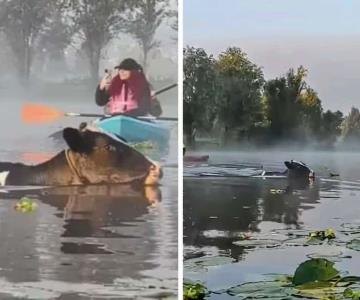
216, 210
90, 211
90, 233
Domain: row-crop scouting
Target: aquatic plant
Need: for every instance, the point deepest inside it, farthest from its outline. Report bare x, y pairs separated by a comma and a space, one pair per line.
322, 234
193, 291
25, 205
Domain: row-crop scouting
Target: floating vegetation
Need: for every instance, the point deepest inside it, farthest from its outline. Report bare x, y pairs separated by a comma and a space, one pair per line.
314, 278
262, 289
354, 245
194, 291
200, 264
322, 235
260, 243
144, 146
25, 205
277, 191
350, 228
352, 294
313, 270
332, 253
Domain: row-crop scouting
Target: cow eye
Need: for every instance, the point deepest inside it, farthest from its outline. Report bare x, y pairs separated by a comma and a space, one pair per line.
110, 147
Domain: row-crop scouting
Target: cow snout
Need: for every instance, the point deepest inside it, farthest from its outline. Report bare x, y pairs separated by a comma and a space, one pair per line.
154, 175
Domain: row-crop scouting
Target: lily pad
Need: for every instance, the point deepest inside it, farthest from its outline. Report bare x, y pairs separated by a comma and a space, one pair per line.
320, 290
265, 243
263, 289
302, 241
354, 245
333, 254
202, 263
350, 228
312, 270
352, 294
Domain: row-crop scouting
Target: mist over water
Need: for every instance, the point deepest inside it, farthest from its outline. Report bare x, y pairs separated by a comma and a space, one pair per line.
81, 242
84, 242
220, 208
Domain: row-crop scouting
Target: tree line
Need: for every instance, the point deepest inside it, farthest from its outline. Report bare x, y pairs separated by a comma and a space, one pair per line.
227, 97
48, 28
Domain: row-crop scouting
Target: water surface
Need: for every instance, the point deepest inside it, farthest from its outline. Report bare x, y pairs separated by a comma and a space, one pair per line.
98, 242
222, 203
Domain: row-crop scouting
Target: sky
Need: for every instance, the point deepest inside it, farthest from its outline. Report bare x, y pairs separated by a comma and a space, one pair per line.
321, 35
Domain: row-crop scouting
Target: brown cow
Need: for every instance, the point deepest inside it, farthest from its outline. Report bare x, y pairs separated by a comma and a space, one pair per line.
93, 157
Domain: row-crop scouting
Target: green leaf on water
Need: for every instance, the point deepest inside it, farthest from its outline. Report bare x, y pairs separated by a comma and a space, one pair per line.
318, 269
194, 291
263, 289
253, 242
352, 294
322, 234
199, 264
25, 205
354, 245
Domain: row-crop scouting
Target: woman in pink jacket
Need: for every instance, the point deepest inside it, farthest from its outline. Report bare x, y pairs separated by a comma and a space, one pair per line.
126, 92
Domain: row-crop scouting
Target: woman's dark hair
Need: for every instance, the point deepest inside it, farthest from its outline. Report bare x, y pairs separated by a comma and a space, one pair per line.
129, 64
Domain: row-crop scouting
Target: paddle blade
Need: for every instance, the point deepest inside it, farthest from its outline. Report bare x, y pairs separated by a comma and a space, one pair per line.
38, 113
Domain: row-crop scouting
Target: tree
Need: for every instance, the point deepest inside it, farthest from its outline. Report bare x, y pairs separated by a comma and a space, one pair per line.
22, 23
243, 83
278, 107
97, 22
293, 108
175, 23
310, 113
57, 36
331, 127
201, 91
144, 21
351, 127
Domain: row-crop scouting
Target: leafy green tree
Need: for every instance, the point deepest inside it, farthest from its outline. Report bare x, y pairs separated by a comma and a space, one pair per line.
277, 104
243, 83
293, 108
331, 127
310, 113
201, 91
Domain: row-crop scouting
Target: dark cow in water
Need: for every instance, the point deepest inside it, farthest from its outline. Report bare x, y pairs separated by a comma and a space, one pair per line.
93, 157
295, 170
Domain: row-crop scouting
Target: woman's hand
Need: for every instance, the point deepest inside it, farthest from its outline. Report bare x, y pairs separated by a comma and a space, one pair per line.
153, 96
105, 82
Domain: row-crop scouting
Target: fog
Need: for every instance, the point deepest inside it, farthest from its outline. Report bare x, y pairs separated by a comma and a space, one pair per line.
72, 67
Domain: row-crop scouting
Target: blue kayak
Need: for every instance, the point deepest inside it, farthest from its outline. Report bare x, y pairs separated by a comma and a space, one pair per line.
135, 130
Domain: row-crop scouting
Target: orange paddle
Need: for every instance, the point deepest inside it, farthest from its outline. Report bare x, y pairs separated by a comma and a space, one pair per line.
38, 113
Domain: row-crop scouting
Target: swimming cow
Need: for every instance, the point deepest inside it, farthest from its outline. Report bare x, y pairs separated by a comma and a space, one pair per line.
93, 157
295, 170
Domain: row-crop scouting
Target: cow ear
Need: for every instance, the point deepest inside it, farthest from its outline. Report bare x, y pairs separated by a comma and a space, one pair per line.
75, 140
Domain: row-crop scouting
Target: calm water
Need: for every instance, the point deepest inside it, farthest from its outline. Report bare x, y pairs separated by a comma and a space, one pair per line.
103, 242
221, 203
